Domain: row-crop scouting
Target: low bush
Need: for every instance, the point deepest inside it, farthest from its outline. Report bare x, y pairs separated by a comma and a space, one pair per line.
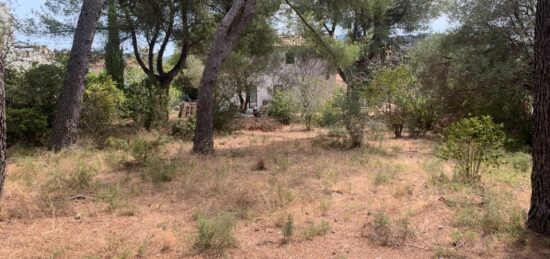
346, 111
216, 233
387, 232
184, 129
282, 107
102, 103
313, 230
26, 126
473, 143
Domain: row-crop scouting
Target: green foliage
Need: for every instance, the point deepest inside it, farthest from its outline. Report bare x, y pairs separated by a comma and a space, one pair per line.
216, 233
114, 60
388, 232
473, 143
26, 125
184, 129
346, 110
160, 171
37, 89
146, 103
354, 116
143, 149
282, 107
521, 162
288, 228
465, 76
314, 230
102, 102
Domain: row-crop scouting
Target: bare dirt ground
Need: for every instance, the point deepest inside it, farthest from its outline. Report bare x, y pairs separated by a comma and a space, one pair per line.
387, 200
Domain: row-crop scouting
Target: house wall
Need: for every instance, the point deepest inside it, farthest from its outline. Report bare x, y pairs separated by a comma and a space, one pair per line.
283, 74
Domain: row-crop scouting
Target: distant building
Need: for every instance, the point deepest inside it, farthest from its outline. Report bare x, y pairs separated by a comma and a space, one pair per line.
286, 64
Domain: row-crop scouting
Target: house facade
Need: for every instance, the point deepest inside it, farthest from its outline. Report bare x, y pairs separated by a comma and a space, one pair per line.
291, 63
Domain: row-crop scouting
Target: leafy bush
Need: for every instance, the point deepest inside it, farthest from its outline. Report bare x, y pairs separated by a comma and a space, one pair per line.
102, 101
282, 107
216, 233
142, 149
37, 89
473, 143
27, 126
346, 110
145, 104
184, 129
354, 116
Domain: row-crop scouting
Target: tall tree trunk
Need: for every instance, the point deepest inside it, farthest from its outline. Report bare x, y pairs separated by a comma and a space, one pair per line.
227, 36
3, 141
65, 127
539, 213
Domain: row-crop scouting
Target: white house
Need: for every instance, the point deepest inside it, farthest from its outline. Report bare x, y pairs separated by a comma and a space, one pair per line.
290, 63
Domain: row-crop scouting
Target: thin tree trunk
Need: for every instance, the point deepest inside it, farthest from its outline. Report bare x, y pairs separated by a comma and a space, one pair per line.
539, 213
227, 36
65, 127
3, 135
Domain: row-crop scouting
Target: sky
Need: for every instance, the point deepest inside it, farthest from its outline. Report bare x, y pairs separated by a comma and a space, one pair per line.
23, 9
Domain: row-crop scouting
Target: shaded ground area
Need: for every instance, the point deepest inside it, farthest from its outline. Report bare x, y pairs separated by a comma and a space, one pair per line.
391, 199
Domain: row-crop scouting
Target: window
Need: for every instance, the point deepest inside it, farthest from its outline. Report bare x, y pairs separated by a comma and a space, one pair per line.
290, 58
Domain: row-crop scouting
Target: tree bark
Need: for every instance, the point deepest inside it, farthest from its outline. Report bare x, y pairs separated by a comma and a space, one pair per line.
3, 135
65, 127
539, 213
227, 36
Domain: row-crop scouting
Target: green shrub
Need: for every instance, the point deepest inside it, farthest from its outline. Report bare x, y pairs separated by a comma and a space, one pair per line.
473, 143
282, 107
314, 230
146, 103
521, 162
390, 233
288, 229
346, 111
160, 171
142, 149
117, 143
38, 88
102, 101
184, 129
26, 126
216, 233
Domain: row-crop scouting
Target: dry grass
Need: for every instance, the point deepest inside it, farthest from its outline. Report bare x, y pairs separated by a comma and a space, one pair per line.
152, 198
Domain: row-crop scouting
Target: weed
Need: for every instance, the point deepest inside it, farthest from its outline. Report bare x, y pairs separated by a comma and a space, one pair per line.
216, 234
112, 196
288, 229
160, 171
142, 249
324, 207
314, 230
521, 162
383, 230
